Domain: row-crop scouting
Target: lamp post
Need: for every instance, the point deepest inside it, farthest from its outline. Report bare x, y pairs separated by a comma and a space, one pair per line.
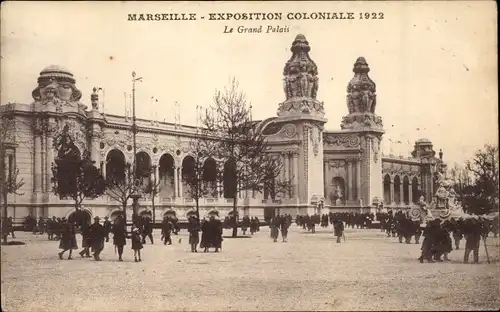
135, 195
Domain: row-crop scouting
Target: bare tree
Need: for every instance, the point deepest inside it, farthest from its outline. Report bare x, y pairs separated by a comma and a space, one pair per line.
240, 148
201, 148
153, 188
462, 180
9, 173
120, 188
484, 196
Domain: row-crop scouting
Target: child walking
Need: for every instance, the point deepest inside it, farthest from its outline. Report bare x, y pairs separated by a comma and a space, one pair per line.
136, 244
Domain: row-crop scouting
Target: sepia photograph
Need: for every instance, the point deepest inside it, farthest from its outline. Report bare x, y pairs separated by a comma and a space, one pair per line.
249, 156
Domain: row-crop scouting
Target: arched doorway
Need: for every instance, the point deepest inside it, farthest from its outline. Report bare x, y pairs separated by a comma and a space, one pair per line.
115, 215
191, 213
406, 190
115, 166
170, 213
210, 177
230, 179
213, 213
397, 190
338, 194
415, 192
146, 213
387, 189
80, 217
188, 176
167, 172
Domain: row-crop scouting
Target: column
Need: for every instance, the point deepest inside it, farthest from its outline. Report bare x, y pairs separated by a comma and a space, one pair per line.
392, 192
283, 167
94, 150
38, 164
410, 194
401, 196
179, 179
358, 179
295, 175
219, 189
157, 172
103, 169
176, 182
350, 178
326, 182
287, 172
48, 162
42, 163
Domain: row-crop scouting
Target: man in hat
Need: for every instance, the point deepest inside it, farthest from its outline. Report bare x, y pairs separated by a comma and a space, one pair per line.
107, 226
472, 239
97, 235
194, 232
166, 230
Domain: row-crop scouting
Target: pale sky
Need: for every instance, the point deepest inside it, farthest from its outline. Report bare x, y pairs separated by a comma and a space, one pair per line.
434, 63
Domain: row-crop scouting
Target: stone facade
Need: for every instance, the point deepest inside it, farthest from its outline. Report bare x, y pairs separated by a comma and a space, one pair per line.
337, 171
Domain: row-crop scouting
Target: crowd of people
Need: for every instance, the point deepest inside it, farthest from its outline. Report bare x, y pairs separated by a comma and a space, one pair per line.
439, 237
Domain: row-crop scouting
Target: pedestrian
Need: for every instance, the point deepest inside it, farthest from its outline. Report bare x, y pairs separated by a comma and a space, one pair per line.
284, 225
108, 227
136, 244
119, 230
215, 230
86, 240
98, 235
166, 230
472, 239
275, 228
68, 239
194, 233
338, 229
147, 229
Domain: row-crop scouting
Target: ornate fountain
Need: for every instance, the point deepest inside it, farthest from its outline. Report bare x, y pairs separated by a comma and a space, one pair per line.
444, 205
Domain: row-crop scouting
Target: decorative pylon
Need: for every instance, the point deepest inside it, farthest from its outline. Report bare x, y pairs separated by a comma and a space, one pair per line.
361, 100
300, 83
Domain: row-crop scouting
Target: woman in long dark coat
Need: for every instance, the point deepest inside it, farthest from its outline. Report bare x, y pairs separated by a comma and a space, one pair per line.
216, 230
68, 239
205, 235
119, 231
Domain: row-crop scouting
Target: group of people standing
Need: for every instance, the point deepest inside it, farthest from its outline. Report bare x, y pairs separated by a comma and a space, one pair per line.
437, 240
278, 224
335, 219
438, 234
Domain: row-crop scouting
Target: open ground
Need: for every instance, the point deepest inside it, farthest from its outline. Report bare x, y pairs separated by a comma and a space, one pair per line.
310, 272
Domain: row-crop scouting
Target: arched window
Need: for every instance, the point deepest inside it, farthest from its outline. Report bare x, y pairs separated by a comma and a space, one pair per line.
387, 189
406, 190
210, 177
188, 173
230, 179
167, 172
397, 190
115, 165
415, 192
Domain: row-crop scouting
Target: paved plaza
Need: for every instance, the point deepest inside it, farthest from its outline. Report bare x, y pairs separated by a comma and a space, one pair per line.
310, 272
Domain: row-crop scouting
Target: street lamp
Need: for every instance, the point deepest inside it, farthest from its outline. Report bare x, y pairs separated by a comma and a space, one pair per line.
135, 195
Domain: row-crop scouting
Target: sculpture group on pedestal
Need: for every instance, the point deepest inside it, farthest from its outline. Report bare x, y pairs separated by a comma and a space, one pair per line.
300, 81
361, 99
